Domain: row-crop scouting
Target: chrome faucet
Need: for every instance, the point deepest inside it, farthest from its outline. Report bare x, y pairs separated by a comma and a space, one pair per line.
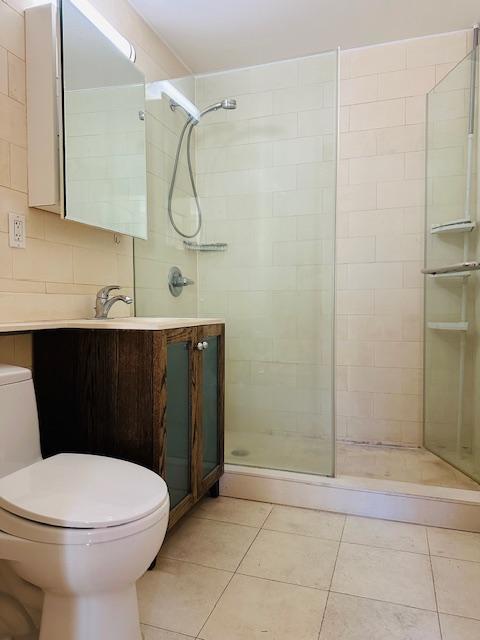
104, 303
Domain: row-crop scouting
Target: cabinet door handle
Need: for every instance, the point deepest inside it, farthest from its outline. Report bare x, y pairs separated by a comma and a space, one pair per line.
200, 346
205, 344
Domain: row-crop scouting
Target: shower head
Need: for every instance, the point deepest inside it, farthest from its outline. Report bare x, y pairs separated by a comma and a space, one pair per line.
227, 103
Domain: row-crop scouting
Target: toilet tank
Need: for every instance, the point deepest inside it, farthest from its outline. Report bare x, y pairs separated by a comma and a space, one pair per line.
19, 432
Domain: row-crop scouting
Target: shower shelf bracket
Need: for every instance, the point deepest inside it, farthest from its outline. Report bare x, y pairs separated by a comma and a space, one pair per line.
455, 226
205, 246
451, 276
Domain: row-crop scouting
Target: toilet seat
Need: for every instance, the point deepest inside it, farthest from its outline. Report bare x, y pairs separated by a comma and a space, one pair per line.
79, 491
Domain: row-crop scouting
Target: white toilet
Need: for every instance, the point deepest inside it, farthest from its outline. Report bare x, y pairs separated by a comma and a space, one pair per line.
82, 528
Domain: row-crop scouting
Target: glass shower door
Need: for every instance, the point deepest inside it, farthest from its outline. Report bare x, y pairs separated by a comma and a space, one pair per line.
452, 357
267, 181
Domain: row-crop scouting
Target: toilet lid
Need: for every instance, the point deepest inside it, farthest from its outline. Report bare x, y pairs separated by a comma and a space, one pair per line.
82, 491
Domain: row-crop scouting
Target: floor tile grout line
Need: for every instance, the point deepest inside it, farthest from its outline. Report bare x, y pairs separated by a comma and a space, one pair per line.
228, 583
434, 587
396, 604
331, 578
272, 507
235, 524
197, 564
303, 535
371, 546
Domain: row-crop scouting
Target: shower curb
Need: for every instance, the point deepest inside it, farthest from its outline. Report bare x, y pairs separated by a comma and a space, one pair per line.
401, 501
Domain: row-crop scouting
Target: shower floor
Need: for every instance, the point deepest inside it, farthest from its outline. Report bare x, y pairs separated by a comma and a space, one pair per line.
312, 455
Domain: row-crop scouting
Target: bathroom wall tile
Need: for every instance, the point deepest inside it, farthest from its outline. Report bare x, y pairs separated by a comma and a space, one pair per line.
3, 71
400, 193
18, 168
408, 82
13, 124
359, 90
357, 144
449, 47
415, 110
16, 78
376, 115
4, 163
43, 261
399, 139
296, 99
377, 168
397, 407
357, 197
354, 404
378, 59
12, 35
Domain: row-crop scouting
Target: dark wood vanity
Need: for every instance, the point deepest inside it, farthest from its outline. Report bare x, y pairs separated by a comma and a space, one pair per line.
153, 397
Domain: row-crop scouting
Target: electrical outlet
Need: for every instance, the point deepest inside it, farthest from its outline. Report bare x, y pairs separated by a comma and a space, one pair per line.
17, 230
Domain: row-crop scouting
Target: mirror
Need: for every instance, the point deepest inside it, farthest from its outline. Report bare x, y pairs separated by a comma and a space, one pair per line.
103, 129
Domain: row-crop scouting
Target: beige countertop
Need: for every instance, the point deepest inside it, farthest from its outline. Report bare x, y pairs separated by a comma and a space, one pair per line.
131, 323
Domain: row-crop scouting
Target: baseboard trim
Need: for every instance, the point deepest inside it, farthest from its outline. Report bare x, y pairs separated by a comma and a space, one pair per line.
387, 499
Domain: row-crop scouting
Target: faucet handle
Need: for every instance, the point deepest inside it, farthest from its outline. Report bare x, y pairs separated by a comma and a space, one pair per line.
105, 292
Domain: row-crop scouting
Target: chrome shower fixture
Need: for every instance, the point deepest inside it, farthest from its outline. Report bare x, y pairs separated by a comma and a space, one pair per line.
192, 121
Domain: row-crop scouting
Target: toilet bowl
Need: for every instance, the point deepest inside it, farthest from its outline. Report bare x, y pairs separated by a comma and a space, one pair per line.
83, 529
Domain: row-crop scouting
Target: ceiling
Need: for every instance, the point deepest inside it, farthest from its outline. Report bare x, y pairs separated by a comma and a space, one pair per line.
210, 35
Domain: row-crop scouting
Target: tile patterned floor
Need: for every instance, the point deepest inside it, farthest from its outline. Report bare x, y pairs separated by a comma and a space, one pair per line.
240, 570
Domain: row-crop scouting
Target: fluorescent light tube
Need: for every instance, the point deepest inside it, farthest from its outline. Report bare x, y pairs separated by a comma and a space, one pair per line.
106, 28
155, 91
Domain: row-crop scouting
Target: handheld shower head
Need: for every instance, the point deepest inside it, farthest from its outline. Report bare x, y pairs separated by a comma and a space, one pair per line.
229, 103
226, 103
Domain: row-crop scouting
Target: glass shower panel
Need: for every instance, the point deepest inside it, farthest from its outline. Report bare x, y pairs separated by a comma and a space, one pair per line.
267, 180
164, 248
452, 358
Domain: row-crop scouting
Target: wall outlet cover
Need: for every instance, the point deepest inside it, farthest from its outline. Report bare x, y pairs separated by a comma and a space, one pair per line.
17, 230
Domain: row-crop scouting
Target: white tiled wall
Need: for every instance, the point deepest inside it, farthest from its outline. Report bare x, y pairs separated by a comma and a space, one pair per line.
380, 222
64, 263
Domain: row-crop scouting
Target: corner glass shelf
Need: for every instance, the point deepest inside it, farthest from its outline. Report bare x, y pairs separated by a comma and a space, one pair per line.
448, 326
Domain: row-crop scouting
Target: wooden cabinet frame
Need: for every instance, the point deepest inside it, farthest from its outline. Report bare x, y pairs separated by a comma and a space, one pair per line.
105, 392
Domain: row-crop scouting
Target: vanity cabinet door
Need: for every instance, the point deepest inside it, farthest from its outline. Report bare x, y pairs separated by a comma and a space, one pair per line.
210, 410
178, 436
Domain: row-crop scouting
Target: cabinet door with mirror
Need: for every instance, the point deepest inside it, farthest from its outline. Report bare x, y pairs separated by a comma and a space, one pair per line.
87, 144
104, 129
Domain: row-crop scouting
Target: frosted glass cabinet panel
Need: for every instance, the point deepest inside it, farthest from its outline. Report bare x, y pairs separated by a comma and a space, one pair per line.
104, 130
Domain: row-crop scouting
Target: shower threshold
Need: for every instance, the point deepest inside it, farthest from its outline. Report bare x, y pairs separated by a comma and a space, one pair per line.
352, 491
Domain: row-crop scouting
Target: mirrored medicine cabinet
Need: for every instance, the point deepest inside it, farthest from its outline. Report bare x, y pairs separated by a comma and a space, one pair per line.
86, 119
